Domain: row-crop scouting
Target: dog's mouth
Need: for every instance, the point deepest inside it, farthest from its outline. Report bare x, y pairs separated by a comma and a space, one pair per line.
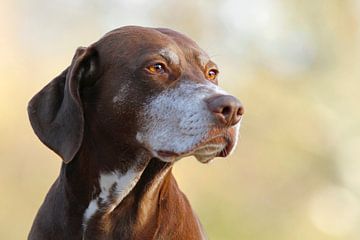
218, 143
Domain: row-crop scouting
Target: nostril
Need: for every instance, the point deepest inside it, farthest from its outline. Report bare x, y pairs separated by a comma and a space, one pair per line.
240, 111
226, 111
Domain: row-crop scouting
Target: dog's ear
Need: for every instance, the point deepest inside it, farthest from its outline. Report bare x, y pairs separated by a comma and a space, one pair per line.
56, 112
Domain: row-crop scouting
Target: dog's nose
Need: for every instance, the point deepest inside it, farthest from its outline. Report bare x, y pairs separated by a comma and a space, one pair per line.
226, 108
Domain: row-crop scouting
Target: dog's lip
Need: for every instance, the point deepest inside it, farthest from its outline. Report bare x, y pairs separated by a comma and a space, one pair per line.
167, 154
202, 145
222, 141
227, 149
225, 141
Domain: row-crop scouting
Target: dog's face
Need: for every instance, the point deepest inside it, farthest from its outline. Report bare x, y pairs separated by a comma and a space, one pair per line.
154, 89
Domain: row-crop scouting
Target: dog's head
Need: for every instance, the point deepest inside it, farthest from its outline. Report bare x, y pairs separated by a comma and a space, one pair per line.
146, 88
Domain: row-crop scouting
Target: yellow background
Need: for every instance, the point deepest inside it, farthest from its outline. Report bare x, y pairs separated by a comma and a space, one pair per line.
294, 64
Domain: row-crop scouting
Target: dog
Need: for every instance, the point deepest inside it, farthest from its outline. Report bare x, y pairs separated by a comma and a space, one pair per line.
126, 109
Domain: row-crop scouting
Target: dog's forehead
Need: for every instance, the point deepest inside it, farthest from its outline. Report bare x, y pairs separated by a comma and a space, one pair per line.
188, 46
132, 40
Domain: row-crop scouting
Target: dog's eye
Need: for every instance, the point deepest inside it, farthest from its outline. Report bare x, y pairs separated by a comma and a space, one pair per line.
212, 74
156, 68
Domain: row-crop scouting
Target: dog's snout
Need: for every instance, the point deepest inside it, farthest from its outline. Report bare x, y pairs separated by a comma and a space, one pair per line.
226, 108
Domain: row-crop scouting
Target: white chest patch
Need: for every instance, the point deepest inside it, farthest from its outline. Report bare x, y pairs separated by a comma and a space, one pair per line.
114, 187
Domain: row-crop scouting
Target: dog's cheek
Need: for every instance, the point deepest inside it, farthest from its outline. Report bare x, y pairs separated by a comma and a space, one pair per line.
120, 97
175, 120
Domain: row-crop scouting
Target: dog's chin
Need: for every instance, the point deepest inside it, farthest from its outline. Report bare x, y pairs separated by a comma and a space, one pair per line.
210, 151
220, 145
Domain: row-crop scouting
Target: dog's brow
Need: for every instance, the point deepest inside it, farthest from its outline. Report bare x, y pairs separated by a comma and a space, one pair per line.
203, 59
170, 55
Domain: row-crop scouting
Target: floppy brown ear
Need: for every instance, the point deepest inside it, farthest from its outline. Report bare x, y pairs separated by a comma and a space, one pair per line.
56, 112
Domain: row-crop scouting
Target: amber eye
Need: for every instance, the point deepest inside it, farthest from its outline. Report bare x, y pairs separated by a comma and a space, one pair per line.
212, 74
156, 68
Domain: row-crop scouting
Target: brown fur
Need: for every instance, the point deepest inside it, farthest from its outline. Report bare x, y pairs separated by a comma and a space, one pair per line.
73, 116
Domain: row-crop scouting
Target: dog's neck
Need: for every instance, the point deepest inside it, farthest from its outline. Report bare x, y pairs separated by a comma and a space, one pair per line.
107, 181
149, 202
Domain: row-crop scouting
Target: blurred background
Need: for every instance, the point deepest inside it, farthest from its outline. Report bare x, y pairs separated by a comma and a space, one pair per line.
295, 64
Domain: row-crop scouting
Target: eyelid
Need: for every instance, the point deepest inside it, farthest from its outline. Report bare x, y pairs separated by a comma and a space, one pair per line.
155, 61
214, 69
152, 68
210, 65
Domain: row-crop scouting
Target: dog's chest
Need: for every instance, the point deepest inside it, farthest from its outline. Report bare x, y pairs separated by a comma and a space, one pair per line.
114, 187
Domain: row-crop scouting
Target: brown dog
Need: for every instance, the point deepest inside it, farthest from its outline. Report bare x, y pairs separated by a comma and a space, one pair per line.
120, 115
